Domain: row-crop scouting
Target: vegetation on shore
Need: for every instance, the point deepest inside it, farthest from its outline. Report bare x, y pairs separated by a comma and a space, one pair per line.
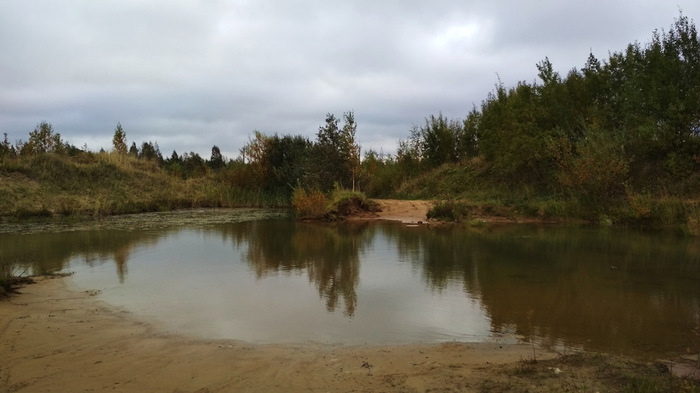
100, 184
587, 372
314, 205
616, 142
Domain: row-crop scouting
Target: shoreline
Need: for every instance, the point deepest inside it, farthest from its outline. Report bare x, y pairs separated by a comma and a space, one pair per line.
56, 338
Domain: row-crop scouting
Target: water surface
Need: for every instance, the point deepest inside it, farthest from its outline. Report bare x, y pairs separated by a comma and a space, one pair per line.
221, 275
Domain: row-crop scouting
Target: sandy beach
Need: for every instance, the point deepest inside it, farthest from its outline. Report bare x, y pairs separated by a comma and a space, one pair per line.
55, 338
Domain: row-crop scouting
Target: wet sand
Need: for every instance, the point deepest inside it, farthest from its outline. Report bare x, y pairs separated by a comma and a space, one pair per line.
55, 338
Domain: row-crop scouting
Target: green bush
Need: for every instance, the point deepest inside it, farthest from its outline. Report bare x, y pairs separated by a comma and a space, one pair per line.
449, 210
345, 203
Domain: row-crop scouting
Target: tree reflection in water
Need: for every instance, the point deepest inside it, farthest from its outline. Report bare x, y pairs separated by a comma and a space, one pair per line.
51, 252
329, 254
601, 290
588, 288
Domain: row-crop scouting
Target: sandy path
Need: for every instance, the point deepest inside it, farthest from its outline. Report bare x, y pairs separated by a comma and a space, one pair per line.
404, 211
54, 338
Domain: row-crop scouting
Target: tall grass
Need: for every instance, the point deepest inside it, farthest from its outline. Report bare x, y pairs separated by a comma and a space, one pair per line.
106, 184
309, 205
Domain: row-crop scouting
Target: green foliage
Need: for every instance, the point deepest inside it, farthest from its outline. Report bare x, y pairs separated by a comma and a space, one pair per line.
619, 138
449, 210
287, 159
216, 161
150, 151
578, 142
6, 149
315, 205
344, 203
594, 169
43, 140
119, 141
439, 140
336, 154
380, 176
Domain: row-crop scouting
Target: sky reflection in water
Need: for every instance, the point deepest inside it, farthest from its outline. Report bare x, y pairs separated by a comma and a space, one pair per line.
382, 283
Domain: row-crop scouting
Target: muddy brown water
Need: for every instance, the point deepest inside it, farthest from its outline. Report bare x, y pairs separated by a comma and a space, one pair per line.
257, 276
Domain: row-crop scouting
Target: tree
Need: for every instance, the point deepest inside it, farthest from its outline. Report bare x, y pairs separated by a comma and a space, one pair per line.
410, 153
119, 141
468, 138
150, 151
6, 149
193, 165
174, 165
216, 161
336, 155
439, 139
547, 73
133, 150
44, 140
350, 150
254, 154
287, 159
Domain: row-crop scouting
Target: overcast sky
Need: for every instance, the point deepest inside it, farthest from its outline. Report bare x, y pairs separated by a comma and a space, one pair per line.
192, 74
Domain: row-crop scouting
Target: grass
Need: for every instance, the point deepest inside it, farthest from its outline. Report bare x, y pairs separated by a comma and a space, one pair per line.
587, 372
315, 205
472, 182
345, 203
449, 210
102, 184
106, 184
10, 278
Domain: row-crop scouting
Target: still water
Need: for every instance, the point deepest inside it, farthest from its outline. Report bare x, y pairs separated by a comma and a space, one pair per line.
259, 277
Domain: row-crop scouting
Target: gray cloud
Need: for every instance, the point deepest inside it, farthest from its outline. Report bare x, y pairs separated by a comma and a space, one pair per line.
189, 75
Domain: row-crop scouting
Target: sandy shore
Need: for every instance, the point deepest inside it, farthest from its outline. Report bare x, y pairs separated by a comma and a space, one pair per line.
55, 338
404, 211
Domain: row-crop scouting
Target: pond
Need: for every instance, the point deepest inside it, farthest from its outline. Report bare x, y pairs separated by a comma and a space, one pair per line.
258, 276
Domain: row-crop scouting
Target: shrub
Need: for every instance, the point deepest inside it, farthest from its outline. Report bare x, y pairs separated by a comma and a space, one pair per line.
311, 205
449, 210
346, 203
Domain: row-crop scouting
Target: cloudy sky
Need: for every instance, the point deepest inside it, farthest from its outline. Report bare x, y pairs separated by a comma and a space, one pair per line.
192, 74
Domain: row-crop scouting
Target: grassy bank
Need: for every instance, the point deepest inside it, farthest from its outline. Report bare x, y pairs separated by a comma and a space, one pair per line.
106, 184
588, 372
469, 189
315, 205
100, 184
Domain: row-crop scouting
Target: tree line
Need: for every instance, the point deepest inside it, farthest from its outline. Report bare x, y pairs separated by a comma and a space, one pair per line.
628, 123
631, 121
